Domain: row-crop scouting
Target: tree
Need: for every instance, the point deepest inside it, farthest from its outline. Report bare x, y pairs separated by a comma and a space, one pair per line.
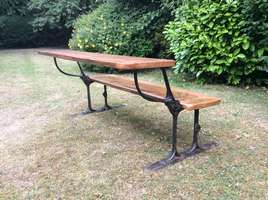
58, 14
13, 7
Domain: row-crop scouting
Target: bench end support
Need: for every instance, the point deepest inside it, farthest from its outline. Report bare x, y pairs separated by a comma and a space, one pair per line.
106, 106
174, 156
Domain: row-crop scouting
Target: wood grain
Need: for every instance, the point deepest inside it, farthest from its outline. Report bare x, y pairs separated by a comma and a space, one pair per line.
107, 60
189, 100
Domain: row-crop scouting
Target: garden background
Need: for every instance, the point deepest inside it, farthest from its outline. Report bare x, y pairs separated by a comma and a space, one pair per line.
49, 151
212, 41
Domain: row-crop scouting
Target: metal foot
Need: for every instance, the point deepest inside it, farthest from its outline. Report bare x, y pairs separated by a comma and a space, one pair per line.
175, 157
104, 109
107, 108
195, 149
172, 158
87, 112
83, 113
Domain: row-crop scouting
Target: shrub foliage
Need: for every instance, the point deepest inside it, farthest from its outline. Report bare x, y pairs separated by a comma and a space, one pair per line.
119, 28
50, 22
256, 14
15, 31
208, 41
13, 7
212, 40
124, 28
58, 14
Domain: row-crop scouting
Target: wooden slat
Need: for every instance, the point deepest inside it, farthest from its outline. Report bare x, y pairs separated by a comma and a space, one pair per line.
107, 60
189, 100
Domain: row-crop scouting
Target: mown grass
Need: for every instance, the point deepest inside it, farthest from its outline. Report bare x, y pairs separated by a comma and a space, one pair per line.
47, 153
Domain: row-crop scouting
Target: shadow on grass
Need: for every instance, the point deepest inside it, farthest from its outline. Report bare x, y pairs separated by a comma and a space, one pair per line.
149, 125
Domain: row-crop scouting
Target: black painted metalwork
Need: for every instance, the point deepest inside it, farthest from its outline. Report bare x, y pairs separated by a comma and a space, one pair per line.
174, 156
87, 81
81, 69
105, 95
173, 106
146, 97
89, 105
169, 94
196, 146
65, 73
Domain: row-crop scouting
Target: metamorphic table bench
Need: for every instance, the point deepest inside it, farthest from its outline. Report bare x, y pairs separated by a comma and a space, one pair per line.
175, 99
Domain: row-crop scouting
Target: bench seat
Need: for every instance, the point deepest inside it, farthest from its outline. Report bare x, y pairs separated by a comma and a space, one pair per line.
189, 100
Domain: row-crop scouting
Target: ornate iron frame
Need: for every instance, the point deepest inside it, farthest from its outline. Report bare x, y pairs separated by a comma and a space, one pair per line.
87, 81
174, 106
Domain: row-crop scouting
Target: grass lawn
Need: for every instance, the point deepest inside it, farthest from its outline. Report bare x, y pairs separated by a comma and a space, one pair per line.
46, 152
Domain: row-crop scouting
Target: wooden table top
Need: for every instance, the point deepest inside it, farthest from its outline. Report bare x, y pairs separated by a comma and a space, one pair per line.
107, 60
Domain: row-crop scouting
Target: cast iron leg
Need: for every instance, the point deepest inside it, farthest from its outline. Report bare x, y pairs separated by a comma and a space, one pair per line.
89, 109
196, 147
174, 156
105, 95
106, 105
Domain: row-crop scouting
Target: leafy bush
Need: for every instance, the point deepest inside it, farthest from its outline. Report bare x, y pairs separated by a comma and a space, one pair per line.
257, 20
208, 41
15, 31
15, 27
13, 7
256, 14
118, 28
59, 14
172, 5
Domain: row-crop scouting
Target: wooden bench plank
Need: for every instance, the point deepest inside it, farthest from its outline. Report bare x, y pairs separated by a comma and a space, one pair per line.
107, 60
189, 100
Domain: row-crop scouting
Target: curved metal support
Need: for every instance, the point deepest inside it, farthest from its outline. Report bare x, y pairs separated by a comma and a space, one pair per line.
173, 105
81, 69
65, 73
87, 81
148, 98
169, 94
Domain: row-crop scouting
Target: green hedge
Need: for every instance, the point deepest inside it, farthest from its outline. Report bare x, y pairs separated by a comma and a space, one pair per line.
212, 40
16, 31
256, 14
57, 14
209, 41
29, 23
119, 28
13, 7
